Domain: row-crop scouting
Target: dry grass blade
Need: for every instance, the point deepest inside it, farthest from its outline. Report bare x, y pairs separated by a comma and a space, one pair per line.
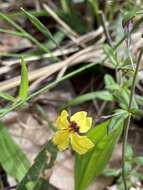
44, 56
85, 55
4, 69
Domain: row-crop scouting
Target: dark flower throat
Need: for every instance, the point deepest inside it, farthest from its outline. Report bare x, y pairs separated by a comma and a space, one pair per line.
73, 126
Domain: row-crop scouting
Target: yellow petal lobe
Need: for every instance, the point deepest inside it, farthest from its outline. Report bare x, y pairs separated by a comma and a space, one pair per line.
62, 122
61, 139
82, 121
86, 125
81, 144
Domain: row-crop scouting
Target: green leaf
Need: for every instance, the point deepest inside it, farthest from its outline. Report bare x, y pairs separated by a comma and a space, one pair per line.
109, 80
58, 37
38, 175
138, 160
117, 120
67, 6
3, 110
41, 27
110, 54
128, 167
110, 83
139, 99
111, 172
24, 85
95, 7
7, 96
113, 87
103, 95
90, 165
128, 15
12, 158
129, 152
136, 112
123, 96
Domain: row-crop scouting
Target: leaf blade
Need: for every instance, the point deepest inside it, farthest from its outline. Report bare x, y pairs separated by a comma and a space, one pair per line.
12, 158
41, 27
24, 84
103, 95
35, 179
7, 96
91, 164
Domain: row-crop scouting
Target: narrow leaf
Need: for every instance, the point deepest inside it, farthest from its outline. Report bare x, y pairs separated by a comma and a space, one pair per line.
109, 80
24, 85
12, 158
117, 120
103, 95
138, 160
110, 83
123, 96
111, 172
41, 27
66, 6
7, 96
38, 175
110, 54
58, 37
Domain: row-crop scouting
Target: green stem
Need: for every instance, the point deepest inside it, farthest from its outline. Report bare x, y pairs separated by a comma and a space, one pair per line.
127, 122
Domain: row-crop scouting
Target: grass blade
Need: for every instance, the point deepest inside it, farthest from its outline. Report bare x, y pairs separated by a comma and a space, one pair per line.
67, 6
24, 85
41, 27
7, 96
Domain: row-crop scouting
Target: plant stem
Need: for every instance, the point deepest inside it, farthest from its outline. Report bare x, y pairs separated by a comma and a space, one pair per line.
127, 122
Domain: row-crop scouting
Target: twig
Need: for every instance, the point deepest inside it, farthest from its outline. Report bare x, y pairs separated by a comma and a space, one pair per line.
103, 21
127, 122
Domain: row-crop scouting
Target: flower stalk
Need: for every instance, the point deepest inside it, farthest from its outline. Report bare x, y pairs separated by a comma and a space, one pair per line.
127, 122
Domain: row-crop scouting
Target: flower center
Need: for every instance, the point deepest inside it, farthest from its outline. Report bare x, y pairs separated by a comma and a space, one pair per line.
73, 126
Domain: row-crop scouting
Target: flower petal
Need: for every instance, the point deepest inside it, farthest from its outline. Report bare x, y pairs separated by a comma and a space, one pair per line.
82, 121
81, 144
86, 125
62, 121
61, 139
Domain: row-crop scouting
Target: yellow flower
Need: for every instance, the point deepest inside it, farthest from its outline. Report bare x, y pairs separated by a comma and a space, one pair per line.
71, 131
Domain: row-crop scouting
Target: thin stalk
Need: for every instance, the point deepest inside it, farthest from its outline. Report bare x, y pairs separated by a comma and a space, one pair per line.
127, 122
